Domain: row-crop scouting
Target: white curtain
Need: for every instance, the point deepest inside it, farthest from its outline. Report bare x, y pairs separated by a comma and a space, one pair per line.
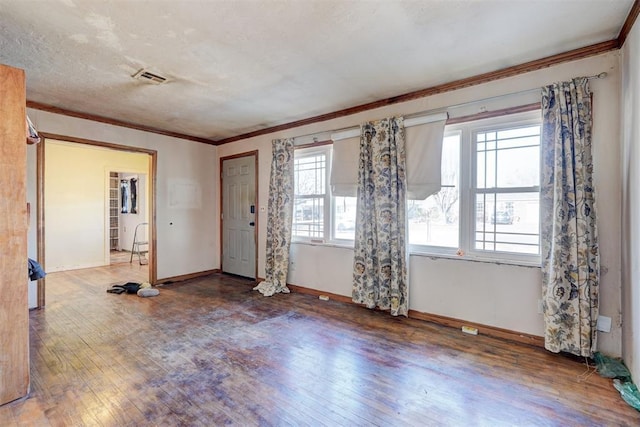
344, 166
423, 158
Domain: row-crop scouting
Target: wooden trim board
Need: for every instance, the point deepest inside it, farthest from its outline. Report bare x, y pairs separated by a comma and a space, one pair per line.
628, 23
153, 164
180, 278
526, 67
115, 122
491, 331
14, 299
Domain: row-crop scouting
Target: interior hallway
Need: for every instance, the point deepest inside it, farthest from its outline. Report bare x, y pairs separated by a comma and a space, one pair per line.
211, 351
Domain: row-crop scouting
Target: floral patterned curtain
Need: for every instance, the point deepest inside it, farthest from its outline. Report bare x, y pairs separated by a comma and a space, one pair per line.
279, 220
380, 263
570, 259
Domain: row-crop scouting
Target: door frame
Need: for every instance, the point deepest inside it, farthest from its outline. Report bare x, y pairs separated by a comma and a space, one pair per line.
40, 168
255, 155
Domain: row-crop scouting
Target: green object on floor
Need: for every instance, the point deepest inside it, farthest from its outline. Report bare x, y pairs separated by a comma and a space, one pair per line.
629, 392
609, 367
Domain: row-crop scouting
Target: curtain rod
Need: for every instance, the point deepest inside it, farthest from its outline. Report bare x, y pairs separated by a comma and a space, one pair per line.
601, 75
350, 131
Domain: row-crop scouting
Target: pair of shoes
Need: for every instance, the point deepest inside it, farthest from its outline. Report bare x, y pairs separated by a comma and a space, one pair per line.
148, 292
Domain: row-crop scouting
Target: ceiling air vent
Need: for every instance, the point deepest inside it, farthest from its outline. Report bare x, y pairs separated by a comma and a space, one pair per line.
149, 77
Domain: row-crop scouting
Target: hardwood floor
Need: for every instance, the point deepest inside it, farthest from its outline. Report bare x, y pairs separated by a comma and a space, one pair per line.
118, 257
211, 351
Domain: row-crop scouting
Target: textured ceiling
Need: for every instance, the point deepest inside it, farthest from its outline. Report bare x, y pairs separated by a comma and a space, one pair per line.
239, 66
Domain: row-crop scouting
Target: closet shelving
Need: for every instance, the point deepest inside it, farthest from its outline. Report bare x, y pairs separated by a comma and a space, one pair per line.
114, 211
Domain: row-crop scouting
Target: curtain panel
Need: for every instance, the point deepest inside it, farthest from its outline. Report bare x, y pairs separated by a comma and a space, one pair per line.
380, 255
279, 221
570, 255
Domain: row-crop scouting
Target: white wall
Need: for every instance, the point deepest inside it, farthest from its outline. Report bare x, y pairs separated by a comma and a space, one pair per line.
630, 167
498, 295
77, 202
189, 244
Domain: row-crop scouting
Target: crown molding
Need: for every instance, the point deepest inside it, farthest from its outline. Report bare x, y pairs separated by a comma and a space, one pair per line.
628, 23
526, 67
114, 122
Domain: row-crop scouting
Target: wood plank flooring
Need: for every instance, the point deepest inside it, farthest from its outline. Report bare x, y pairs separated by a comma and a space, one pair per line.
211, 351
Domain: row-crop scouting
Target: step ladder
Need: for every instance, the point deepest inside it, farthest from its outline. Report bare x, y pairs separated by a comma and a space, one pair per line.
140, 244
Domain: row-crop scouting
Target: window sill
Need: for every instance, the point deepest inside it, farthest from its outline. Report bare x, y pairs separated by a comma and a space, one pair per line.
332, 244
475, 258
432, 255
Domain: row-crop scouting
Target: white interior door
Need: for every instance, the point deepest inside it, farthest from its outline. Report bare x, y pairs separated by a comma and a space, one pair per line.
238, 216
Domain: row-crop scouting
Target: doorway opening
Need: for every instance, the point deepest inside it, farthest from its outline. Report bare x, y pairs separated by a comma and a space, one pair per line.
76, 221
128, 217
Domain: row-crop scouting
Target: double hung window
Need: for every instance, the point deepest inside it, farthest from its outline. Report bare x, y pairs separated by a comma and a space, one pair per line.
489, 202
487, 207
311, 197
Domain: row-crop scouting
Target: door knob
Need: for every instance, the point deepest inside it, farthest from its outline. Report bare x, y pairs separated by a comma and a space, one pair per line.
252, 223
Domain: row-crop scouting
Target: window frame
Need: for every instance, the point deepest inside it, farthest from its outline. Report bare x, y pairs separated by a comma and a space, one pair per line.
467, 187
415, 248
311, 151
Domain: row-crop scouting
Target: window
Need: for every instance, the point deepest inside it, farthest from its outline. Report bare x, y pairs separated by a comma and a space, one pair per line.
506, 193
344, 214
318, 215
490, 209
435, 220
310, 192
487, 208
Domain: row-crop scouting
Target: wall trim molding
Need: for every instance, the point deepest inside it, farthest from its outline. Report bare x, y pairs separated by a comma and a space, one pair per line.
451, 322
538, 64
490, 331
628, 23
514, 70
317, 293
111, 145
183, 277
115, 122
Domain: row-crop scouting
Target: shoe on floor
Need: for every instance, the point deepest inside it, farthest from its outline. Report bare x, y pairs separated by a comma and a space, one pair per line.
148, 292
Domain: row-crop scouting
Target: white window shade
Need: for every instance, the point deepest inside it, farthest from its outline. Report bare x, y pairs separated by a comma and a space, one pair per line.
344, 166
424, 158
424, 155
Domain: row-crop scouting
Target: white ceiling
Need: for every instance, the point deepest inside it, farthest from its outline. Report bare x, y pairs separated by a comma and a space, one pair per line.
239, 66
